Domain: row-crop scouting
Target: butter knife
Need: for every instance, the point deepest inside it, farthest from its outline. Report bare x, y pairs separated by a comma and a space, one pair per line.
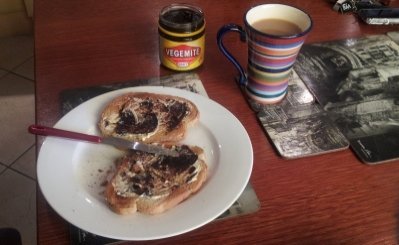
117, 142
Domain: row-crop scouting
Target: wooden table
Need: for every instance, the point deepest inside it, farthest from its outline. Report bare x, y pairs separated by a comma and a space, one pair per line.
326, 199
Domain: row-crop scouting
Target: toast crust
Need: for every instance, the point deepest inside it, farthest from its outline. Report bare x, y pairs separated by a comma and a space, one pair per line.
148, 117
141, 183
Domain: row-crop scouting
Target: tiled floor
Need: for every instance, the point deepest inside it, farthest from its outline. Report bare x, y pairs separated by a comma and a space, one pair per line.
17, 149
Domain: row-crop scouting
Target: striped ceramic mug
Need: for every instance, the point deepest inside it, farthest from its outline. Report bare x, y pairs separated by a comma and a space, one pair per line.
275, 34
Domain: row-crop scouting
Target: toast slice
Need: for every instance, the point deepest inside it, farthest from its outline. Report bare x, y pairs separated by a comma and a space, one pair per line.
151, 184
148, 117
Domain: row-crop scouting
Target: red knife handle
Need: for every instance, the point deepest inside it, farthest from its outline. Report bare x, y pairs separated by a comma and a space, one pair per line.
48, 131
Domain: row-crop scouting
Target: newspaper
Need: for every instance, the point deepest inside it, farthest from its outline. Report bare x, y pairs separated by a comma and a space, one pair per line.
245, 204
298, 126
356, 81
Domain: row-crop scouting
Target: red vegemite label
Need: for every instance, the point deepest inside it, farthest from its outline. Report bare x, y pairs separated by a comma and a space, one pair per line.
182, 55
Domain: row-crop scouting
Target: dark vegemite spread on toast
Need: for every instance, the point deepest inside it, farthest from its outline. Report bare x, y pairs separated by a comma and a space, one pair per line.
143, 119
149, 174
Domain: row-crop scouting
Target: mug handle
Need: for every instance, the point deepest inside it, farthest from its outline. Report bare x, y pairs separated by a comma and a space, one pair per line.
243, 37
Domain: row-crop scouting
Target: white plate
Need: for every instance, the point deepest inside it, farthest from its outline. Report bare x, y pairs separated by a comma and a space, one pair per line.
70, 172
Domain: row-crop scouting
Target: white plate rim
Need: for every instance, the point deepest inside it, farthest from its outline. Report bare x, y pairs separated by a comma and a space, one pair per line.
242, 162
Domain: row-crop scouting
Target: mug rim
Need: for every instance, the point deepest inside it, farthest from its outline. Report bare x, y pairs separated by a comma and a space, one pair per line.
301, 34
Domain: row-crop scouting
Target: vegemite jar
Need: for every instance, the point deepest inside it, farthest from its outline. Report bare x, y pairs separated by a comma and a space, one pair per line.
181, 37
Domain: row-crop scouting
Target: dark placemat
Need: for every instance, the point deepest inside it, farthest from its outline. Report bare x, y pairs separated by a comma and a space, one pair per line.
247, 203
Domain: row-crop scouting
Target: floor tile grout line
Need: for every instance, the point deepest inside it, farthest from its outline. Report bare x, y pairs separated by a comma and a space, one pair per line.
17, 66
23, 62
5, 168
10, 167
19, 172
16, 74
18, 69
15, 170
19, 75
21, 155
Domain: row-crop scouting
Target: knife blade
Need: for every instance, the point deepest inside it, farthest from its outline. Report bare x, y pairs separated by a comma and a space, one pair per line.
139, 146
117, 142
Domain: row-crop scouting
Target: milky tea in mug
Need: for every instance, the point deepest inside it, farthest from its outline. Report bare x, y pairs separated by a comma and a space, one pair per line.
277, 27
275, 34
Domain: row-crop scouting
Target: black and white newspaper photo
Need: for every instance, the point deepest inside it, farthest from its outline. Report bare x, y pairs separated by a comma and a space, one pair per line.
357, 82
